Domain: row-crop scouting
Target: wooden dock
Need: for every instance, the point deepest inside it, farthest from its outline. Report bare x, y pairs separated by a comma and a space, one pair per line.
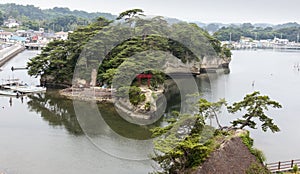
282, 166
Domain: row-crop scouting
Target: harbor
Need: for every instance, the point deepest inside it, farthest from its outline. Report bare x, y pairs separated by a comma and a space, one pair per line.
17, 82
12, 86
275, 44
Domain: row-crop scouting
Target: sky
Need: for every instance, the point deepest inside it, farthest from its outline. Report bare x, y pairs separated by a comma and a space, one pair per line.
208, 11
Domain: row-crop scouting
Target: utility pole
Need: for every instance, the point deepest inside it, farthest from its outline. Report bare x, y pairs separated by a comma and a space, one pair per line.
230, 37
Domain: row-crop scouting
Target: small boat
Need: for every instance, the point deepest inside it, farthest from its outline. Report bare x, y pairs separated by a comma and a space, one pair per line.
15, 85
9, 93
26, 89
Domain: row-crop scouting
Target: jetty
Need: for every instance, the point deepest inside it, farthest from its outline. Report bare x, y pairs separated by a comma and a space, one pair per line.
9, 52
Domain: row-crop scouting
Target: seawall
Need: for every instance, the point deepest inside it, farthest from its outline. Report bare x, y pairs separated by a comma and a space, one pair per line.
8, 53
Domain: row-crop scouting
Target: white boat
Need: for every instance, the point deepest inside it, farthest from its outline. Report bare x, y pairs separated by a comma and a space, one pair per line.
9, 93
26, 89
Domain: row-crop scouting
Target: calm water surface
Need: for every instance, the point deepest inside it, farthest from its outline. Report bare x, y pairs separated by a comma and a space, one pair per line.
41, 134
274, 74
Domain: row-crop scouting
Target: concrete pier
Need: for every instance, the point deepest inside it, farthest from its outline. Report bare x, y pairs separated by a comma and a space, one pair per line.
8, 53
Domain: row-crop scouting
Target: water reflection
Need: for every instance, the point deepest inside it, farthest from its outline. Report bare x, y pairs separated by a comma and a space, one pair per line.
59, 111
10, 102
56, 110
108, 131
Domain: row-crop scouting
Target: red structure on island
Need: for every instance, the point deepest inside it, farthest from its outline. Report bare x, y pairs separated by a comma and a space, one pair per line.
144, 76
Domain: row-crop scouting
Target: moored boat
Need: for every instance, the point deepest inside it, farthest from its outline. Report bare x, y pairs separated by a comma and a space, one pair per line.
26, 89
9, 93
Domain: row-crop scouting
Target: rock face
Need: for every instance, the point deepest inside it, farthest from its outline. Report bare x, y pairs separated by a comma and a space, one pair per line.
233, 157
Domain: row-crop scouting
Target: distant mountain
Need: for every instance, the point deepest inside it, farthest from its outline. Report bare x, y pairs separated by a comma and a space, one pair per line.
288, 31
287, 25
35, 13
263, 25
60, 18
200, 24
78, 13
172, 20
55, 19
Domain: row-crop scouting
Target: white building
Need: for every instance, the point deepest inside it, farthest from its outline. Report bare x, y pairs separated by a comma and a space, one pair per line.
280, 41
61, 35
5, 36
12, 25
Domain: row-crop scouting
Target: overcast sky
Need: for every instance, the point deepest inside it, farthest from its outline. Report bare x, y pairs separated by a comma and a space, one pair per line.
225, 11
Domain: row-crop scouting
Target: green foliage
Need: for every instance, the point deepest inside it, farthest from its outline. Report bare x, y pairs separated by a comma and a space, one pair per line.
255, 105
130, 13
211, 109
147, 106
259, 155
177, 152
287, 31
295, 168
56, 19
123, 91
136, 96
248, 141
181, 152
1, 18
134, 93
58, 58
154, 96
256, 168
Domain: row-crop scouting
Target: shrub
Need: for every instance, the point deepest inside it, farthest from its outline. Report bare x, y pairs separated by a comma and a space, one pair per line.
295, 168
147, 106
256, 168
249, 143
136, 96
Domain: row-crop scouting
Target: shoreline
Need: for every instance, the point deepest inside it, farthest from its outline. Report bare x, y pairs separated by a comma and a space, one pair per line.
88, 94
105, 95
8, 53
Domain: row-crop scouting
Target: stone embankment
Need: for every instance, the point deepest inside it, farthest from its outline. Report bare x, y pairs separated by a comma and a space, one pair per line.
9, 52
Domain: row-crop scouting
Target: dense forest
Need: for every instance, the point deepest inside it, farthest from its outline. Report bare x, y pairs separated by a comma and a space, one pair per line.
87, 45
56, 19
288, 31
59, 18
57, 61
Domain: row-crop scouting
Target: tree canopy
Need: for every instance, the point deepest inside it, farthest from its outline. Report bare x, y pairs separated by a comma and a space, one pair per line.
1, 18
59, 58
255, 106
287, 31
187, 141
130, 14
55, 19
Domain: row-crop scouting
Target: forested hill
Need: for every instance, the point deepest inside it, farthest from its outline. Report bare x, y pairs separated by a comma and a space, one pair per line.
55, 19
288, 31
